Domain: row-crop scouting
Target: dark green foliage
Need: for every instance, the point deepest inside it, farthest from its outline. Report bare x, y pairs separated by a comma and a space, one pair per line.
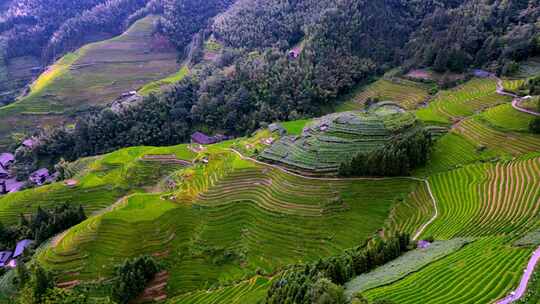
474, 33
534, 126
108, 17
300, 284
132, 277
184, 18
396, 158
532, 86
45, 224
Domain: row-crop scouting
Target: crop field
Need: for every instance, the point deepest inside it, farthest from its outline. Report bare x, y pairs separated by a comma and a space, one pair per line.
407, 94
513, 143
329, 140
101, 181
481, 272
410, 213
403, 266
505, 117
95, 74
159, 85
452, 151
451, 105
246, 292
232, 226
486, 199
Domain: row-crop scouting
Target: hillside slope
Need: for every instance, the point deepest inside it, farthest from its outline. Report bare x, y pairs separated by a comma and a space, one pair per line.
93, 75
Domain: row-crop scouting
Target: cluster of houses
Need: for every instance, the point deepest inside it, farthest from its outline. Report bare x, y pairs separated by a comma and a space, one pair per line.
9, 183
8, 259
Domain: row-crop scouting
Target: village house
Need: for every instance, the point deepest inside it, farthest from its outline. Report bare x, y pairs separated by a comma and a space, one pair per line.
203, 139
6, 160
40, 176
29, 143
4, 258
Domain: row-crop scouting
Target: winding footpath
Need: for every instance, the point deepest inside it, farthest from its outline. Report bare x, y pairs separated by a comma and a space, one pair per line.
285, 170
516, 99
522, 288
535, 258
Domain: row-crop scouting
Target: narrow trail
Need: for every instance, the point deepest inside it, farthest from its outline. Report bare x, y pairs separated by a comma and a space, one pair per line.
535, 258
522, 288
516, 99
418, 232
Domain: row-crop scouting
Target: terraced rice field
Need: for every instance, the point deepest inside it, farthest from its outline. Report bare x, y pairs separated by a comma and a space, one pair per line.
506, 118
452, 151
247, 292
101, 181
455, 104
96, 74
410, 213
244, 220
407, 94
401, 267
329, 140
512, 143
481, 272
486, 199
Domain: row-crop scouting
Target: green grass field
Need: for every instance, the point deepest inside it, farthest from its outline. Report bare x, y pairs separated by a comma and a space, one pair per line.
95, 74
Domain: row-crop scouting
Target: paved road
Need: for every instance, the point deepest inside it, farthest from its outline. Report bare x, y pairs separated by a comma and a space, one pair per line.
516, 99
522, 288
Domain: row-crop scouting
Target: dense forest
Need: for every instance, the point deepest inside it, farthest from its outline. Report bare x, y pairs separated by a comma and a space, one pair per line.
254, 81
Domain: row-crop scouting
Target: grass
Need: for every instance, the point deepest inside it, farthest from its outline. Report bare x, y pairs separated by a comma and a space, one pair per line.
156, 86
95, 74
403, 266
295, 127
481, 272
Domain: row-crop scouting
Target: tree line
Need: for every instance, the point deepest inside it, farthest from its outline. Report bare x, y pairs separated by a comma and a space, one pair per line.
396, 158
42, 225
322, 280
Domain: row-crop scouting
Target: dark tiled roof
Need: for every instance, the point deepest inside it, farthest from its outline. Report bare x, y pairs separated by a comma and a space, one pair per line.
21, 246
6, 159
203, 139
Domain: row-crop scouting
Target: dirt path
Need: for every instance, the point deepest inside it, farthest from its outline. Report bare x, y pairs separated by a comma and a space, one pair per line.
516, 99
418, 232
522, 288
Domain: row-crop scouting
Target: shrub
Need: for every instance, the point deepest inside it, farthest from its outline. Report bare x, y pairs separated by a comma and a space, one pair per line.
132, 277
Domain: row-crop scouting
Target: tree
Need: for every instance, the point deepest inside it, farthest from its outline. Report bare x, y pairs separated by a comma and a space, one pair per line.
326, 292
132, 277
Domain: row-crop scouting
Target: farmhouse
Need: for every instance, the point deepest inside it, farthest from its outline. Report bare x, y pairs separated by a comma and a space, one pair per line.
203, 139
12, 185
6, 159
4, 257
29, 143
21, 246
40, 176
3, 173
